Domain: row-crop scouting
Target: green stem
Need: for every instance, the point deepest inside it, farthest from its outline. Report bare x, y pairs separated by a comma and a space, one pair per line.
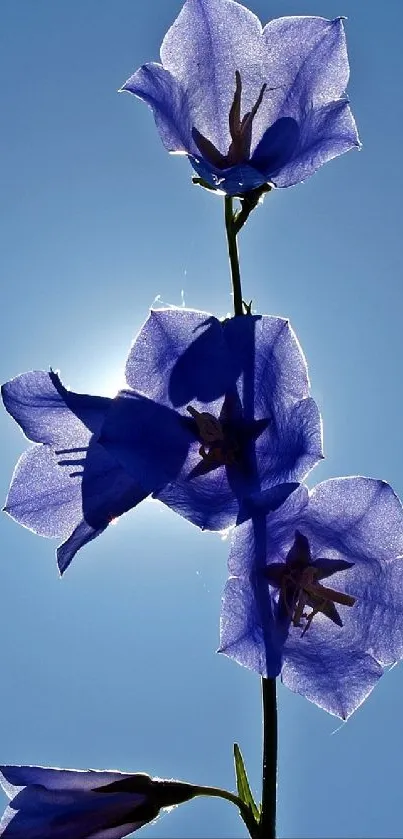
215, 792
233, 255
267, 827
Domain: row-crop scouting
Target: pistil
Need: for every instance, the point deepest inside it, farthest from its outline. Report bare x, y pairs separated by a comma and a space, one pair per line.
240, 131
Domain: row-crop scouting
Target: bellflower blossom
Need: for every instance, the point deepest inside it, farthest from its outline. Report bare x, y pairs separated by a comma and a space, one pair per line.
74, 804
250, 105
236, 392
316, 591
66, 486
215, 411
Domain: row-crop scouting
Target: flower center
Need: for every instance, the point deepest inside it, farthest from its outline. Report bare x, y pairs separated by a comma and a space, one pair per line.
240, 131
308, 591
299, 582
216, 448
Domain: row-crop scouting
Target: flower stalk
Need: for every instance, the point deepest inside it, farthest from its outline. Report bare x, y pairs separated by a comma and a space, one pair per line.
232, 233
267, 825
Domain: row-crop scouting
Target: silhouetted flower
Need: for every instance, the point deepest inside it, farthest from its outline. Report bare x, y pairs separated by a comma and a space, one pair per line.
216, 410
316, 591
74, 804
250, 105
68, 486
236, 392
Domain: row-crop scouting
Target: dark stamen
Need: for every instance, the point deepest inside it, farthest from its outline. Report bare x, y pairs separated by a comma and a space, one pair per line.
240, 131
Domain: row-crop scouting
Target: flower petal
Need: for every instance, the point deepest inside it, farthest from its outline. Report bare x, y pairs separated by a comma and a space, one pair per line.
107, 492
292, 444
277, 147
208, 501
354, 527
13, 778
270, 357
148, 440
72, 493
63, 803
45, 496
308, 62
209, 40
59, 803
326, 133
81, 535
180, 356
359, 517
49, 413
244, 637
40, 813
274, 547
360, 520
164, 94
336, 679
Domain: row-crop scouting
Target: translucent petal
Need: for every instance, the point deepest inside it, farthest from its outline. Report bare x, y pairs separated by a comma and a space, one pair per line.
326, 133
356, 525
72, 493
308, 65
180, 356
337, 680
164, 94
209, 40
49, 413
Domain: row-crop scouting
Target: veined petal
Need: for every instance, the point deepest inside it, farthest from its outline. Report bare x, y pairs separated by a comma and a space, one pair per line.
49, 413
354, 529
360, 517
244, 637
307, 64
207, 43
180, 356
164, 94
284, 520
208, 501
291, 445
326, 132
73, 493
337, 679
270, 357
45, 496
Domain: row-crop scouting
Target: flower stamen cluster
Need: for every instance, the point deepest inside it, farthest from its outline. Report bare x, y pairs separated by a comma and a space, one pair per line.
309, 592
214, 447
240, 130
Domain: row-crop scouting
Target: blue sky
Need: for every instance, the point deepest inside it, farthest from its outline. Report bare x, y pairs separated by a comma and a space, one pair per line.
115, 666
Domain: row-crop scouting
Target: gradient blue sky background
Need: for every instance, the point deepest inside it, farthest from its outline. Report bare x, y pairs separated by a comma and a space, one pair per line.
115, 666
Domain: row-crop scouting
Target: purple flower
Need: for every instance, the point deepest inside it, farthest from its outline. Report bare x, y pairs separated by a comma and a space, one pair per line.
215, 411
73, 804
237, 395
67, 486
249, 105
316, 591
